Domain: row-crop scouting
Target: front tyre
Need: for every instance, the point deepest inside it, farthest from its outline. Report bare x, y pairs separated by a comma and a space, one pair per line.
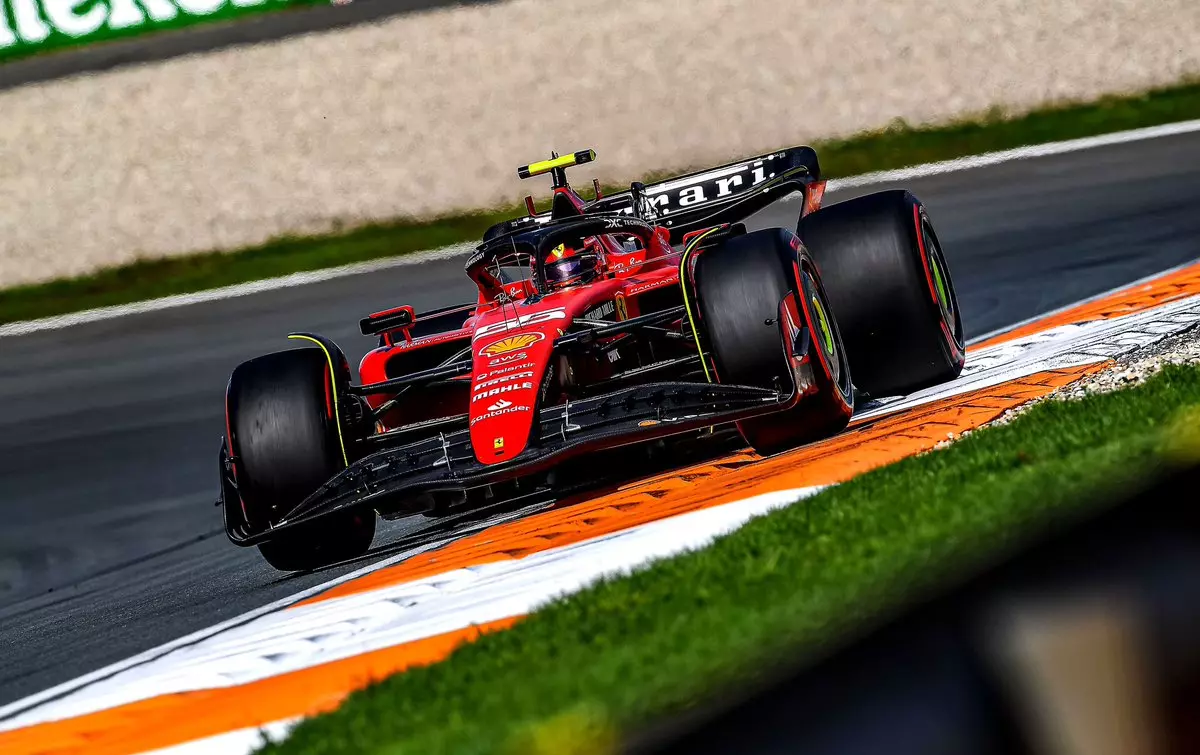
888, 281
336, 537
284, 441
740, 286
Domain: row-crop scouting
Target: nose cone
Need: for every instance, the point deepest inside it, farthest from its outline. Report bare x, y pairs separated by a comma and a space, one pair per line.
508, 370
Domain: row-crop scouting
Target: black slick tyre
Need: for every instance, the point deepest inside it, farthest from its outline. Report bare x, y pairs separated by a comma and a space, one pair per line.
739, 288
888, 281
283, 437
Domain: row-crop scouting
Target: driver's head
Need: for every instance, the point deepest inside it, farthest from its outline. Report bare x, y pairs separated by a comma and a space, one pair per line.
566, 266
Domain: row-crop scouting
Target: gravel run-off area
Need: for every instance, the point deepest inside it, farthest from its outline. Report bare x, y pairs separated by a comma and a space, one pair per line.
431, 112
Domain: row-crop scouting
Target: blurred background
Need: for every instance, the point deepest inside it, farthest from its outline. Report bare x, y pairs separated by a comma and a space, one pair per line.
417, 114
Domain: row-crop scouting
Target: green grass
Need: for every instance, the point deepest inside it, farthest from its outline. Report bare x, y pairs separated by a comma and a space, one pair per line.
897, 146
153, 278
598, 665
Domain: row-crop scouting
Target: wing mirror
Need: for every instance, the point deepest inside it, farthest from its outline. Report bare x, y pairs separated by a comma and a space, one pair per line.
391, 319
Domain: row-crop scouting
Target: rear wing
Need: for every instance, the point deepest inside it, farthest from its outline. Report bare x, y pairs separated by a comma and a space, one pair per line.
725, 194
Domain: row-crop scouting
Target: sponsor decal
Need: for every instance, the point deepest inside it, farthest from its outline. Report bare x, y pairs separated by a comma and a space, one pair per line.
506, 359
501, 404
431, 340
29, 25
619, 265
622, 311
533, 318
511, 343
508, 369
507, 409
644, 287
813, 197
505, 379
498, 444
648, 423
674, 196
626, 223
502, 389
601, 312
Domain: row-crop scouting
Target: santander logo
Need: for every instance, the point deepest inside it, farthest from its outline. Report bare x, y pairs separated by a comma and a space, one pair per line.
501, 404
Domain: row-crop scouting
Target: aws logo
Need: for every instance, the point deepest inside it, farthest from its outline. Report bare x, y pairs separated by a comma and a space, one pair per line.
510, 344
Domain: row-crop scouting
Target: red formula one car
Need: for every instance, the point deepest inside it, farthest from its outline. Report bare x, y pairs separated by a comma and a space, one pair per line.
642, 320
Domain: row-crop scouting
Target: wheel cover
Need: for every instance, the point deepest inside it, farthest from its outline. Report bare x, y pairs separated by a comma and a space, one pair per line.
945, 303
945, 297
824, 334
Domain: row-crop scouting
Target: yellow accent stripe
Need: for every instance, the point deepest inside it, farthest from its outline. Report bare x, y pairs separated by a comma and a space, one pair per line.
687, 306
333, 389
545, 166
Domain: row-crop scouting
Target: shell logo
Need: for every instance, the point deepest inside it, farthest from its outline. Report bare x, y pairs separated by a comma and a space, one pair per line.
511, 343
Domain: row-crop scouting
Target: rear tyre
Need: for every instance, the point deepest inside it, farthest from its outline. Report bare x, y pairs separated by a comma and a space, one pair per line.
887, 279
283, 436
739, 287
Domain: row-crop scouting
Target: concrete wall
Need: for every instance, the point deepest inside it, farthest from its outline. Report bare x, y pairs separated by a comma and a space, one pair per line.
430, 112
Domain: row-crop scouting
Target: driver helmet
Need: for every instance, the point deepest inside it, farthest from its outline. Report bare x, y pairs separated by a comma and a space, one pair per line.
566, 266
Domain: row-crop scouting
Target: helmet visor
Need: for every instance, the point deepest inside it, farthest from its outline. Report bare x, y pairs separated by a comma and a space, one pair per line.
565, 272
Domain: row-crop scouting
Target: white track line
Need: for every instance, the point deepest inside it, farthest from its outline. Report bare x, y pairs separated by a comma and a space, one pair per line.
1020, 153
240, 741
17, 706
1081, 302
304, 637
229, 292
316, 276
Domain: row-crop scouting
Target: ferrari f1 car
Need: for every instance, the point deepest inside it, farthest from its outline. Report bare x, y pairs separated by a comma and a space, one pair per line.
647, 317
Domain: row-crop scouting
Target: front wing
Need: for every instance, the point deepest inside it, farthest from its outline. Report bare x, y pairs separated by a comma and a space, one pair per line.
447, 461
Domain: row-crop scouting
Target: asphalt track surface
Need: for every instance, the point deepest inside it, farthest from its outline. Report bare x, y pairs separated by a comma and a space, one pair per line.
110, 544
